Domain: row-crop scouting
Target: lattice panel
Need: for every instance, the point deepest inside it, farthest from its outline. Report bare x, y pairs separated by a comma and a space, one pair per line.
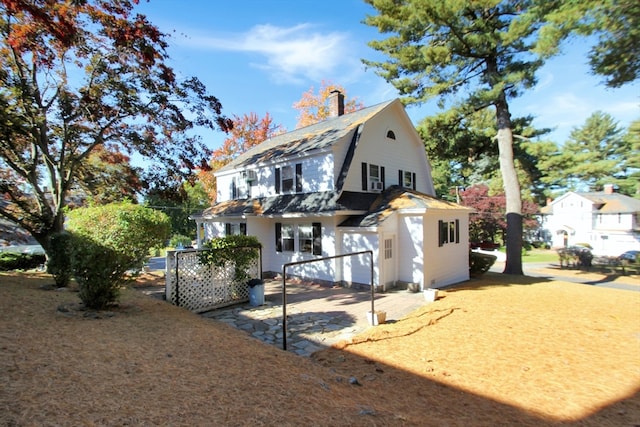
199, 287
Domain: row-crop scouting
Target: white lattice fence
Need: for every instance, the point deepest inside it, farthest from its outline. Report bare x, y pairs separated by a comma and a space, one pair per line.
198, 287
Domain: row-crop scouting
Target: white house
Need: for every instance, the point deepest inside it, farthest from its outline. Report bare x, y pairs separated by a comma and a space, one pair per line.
354, 182
608, 221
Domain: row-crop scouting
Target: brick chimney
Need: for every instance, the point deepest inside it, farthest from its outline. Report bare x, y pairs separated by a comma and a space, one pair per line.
336, 103
608, 189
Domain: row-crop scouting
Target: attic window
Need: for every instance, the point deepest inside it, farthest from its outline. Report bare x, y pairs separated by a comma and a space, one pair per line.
391, 135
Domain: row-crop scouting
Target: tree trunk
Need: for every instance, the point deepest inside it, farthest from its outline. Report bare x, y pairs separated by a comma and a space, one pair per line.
511, 185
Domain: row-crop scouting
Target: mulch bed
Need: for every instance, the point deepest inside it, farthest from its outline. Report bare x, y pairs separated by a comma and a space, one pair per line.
494, 351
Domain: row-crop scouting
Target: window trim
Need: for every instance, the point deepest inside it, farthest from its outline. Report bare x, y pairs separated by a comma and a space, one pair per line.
296, 179
448, 232
316, 237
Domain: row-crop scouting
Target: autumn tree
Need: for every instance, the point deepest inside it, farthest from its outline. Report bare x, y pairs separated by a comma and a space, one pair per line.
470, 56
80, 77
313, 108
107, 177
487, 223
247, 132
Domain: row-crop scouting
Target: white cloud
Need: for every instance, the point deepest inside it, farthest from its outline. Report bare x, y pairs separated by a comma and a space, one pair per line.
289, 54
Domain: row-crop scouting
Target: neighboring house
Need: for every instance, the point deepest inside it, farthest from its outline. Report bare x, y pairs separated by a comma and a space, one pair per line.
354, 182
608, 221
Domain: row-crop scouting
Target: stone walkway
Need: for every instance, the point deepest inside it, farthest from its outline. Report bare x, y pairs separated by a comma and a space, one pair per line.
317, 316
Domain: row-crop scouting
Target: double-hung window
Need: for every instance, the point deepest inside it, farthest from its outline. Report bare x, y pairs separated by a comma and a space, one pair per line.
239, 186
407, 179
448, 232
235, 228
288, 179
307, 235
372, 177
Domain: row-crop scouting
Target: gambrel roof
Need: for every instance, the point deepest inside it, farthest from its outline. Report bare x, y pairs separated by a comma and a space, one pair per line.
311, 138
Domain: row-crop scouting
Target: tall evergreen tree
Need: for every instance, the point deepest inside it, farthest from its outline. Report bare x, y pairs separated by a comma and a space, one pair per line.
597, 153
481, 52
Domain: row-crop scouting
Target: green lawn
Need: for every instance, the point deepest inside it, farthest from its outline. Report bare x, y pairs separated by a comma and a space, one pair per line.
541, 255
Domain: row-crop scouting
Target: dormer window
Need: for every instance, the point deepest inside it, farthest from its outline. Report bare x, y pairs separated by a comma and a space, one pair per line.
239, 188
289, 179
391, 135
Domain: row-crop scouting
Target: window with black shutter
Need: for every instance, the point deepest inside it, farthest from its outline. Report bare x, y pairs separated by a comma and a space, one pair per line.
317, 238
278, 237
298, 177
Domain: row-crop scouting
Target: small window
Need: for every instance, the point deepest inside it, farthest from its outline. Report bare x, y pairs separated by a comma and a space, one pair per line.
233, 229
391, 135
448, 232
407, 181
239, 187
287, 238
305, 237
388, 248
287, 179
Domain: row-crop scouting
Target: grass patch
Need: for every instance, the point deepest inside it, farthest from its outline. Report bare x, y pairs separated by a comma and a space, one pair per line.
540, 255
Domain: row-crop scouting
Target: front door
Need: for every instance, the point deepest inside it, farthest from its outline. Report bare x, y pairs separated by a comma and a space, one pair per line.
389, 261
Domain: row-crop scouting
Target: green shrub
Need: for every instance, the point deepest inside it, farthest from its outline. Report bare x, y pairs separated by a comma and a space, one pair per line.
100, 272
109, 241
59, 262
237, 249
480, 263
18, 261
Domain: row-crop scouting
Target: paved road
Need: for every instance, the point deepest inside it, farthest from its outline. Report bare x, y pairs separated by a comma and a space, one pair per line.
541, 269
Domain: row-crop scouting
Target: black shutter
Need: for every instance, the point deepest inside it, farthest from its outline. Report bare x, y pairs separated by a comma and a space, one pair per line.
298, 177
457, 231
277, 180
317, 238
382, 177
234, 189
440, 233
400, 178
365, 177
243, 228
227, 229
414, 181
278, 237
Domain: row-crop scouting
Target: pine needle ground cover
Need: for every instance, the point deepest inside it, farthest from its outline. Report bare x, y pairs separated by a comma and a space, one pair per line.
495, 351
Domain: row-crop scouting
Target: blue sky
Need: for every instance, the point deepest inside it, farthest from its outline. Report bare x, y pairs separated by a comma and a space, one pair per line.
261, 56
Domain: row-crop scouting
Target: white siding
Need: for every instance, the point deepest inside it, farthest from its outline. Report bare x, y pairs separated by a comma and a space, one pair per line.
273, 261
405, 153
411, 253
357, 269
317, 175
447, 264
